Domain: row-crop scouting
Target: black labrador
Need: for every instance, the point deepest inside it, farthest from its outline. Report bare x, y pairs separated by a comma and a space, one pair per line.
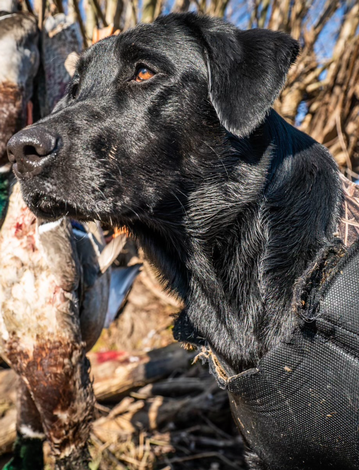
168, 130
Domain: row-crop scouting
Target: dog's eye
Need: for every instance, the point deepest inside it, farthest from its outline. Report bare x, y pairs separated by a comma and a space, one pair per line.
143, 74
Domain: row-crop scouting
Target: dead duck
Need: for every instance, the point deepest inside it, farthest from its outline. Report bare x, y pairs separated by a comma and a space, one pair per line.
54, 286
40, 330
54, 290
19, 59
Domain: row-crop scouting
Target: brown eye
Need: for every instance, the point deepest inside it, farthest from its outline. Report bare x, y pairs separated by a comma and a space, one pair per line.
143, 74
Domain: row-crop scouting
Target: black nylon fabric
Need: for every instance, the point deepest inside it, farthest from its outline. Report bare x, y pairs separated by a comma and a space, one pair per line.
299, 409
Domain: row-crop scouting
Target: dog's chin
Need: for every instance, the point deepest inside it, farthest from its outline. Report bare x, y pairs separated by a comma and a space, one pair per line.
51, 208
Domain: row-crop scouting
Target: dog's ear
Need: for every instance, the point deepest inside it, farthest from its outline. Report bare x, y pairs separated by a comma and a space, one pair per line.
246, 71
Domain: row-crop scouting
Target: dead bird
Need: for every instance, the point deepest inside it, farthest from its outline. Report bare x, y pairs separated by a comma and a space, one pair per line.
54, 285
45, 299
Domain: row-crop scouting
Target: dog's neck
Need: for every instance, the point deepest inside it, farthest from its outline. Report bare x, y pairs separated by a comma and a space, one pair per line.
236, 246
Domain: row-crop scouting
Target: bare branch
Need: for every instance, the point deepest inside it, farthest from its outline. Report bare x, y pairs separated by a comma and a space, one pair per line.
59, 6
181, 6
81, 24
148, 11
99, 13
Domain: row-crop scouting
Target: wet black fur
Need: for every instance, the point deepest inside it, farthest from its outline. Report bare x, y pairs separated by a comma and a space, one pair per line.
229, 201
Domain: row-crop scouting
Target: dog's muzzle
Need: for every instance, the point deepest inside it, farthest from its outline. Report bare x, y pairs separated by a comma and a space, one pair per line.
30, 150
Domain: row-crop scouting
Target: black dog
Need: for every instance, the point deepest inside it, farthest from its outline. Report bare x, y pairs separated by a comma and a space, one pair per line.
168, 129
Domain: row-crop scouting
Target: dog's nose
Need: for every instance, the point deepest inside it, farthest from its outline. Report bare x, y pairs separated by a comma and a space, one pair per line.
27, 150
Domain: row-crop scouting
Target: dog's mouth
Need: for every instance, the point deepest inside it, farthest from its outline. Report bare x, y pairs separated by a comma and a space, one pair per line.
50, 207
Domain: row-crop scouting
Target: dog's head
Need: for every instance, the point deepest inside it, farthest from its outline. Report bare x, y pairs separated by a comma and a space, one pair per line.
139, 107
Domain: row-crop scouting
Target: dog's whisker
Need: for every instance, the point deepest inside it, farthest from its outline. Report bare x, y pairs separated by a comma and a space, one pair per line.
180, 203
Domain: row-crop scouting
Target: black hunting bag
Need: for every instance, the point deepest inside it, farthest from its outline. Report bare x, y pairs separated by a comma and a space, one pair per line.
299, 408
